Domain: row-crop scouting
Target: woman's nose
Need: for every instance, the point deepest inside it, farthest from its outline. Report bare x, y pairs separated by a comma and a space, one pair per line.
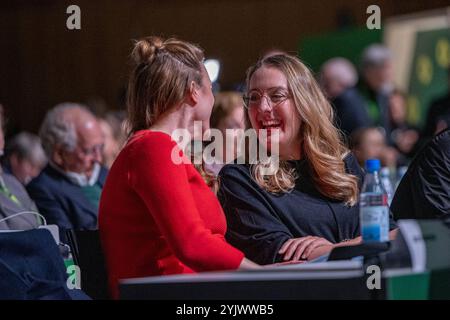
265, 104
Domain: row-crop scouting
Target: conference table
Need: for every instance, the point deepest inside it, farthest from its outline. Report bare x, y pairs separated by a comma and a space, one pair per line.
340, 280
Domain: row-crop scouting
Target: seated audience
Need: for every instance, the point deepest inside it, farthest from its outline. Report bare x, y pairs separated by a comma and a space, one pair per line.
67, 191
309, 205
112, 147
228, 113
157, 215
443, 123
14, 199
424, 191
403, 136
377, 85
338, 78
438, 116
369, 143
24, 157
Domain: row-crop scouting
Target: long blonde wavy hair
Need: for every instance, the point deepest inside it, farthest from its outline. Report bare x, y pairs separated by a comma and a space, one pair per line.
321, 142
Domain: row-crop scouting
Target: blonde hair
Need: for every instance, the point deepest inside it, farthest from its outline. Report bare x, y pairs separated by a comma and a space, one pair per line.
321, 142
162, 73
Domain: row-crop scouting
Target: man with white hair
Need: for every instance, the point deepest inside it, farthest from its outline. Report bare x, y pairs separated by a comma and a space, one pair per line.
377, 85
67, 191
337, 75
338, 78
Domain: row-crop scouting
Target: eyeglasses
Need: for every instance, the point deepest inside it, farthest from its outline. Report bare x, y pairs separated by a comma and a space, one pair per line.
274, 98
97, 149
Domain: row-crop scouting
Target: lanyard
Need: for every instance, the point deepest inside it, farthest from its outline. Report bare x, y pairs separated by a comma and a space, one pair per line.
4, 189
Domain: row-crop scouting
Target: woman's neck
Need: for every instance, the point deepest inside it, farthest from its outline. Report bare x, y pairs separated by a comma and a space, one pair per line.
179, 118
293, 153
290, 157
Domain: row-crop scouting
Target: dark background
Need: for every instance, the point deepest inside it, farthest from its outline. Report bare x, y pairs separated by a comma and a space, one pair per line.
44, 63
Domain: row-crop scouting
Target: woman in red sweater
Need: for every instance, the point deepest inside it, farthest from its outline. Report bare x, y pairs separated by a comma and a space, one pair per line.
158, 217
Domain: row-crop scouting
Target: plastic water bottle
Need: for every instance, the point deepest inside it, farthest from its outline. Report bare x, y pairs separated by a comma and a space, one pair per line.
373, 206
385, 177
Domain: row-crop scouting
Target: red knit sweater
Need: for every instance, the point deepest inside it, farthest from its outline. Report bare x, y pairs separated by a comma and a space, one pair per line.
157, 217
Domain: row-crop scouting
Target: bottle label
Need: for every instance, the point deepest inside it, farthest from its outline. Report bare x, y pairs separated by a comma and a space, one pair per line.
375, 223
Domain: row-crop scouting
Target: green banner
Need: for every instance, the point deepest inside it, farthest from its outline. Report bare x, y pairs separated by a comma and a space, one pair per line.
315, 50
428, 73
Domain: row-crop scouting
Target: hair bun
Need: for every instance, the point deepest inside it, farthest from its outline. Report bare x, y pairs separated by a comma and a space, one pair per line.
145, 49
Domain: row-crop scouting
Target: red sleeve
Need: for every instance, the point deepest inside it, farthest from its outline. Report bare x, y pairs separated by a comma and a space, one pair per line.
164, 187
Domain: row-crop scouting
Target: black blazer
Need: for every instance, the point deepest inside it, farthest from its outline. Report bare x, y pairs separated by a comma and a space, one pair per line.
351, 111
62, 202
424, 191
260, 222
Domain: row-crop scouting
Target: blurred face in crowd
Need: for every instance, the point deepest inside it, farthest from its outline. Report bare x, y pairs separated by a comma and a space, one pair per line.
24, 169
234, 120
371, 145
442, 124
336, 75
379, 77
90, 143
271, 107
397, 108
331, 86
111, 148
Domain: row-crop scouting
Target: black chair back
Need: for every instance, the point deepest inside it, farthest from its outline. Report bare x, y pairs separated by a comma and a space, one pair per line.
88, 254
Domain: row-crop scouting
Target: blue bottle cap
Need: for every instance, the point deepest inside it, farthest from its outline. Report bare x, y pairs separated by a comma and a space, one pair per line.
372, 165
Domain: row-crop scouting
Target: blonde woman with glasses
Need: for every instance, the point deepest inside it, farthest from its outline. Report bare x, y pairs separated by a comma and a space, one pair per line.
309, 205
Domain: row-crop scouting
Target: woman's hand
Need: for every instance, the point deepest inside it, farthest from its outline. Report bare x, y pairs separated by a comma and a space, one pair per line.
393, 234
301, 248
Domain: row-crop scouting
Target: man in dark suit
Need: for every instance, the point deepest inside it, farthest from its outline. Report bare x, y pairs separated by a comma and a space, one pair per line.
67, 192
338, 78
377, 85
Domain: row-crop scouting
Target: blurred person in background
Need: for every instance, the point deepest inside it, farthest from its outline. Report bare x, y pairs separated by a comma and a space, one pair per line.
338, 78
112, 147
112, 126
377, 85
117, 120
68, 190
228, 113
438, 115
424, 191
14, 199
443, 123
24, 157
370, 143
403, 136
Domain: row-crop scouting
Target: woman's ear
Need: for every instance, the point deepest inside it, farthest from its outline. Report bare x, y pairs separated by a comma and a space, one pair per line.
192, 95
